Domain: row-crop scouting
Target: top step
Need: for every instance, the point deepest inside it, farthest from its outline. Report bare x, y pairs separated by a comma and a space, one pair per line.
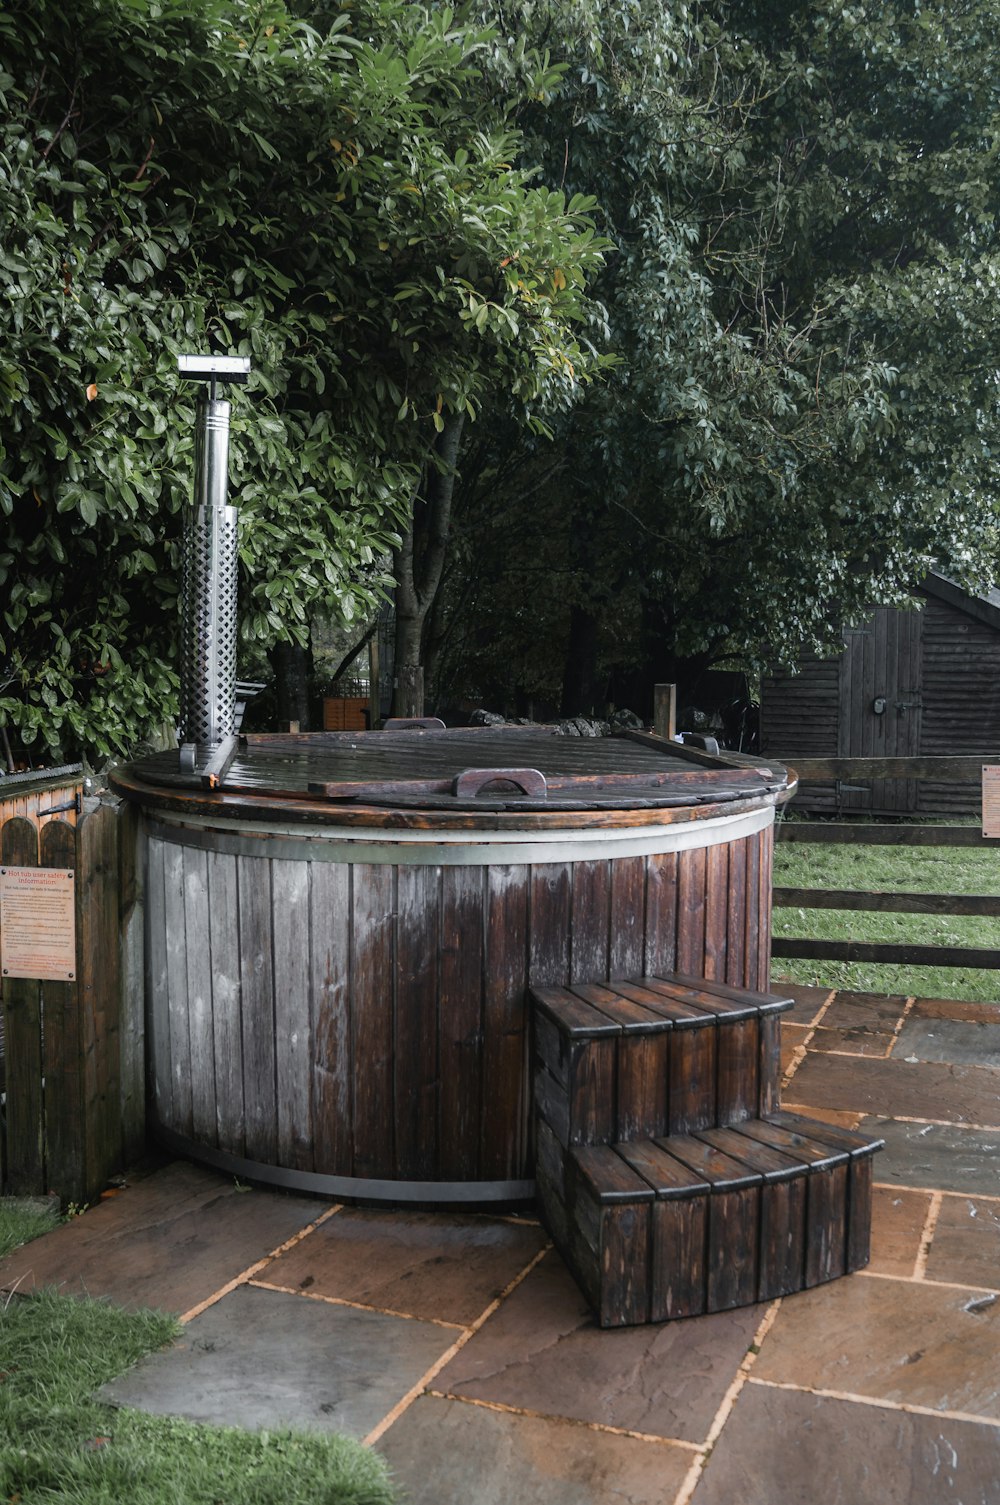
655, 1054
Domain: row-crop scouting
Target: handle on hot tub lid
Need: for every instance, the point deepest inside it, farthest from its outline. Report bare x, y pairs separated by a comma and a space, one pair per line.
529, 780
413, 724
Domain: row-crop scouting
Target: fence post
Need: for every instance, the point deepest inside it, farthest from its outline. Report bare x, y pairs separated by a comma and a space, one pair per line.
665, 710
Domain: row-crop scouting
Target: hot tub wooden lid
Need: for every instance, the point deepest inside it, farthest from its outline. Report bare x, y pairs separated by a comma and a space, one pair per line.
534, 769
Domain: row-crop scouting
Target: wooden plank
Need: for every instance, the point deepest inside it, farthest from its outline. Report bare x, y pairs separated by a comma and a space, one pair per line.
577, 1046
894, 903
665, 711
901, 954
679, 1231
959, 769
65, 1128
661, 913
504, 1138
22, 1007
179, 1111
691, 1089
132, 1034
200, 967
691, 911
158, 981
590, 921
460, 1020
769, 1064
549, 941
333, 1075
826, 1225
417, 1072
100, 992
610, 1208
847, 834
628, 906
736, 918
782, 1211
738, 1071
253, 879
293, 1038
765, 889
751, 949
717, 884
224, 939
373, 901
731, 1255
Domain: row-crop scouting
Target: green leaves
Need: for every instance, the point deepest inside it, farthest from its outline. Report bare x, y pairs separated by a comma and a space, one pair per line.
332, 191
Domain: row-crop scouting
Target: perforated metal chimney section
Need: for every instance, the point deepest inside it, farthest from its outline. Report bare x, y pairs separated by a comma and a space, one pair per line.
209, 580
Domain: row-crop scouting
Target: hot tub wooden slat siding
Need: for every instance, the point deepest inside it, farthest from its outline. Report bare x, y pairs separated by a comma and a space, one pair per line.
332, 1077
227, 1033
368, 965
460, 1020
256, 962
628, 906
369, 1019
417, 1025
503, 1146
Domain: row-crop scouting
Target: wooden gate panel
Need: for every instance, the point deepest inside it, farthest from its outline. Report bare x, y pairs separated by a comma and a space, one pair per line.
22, 1002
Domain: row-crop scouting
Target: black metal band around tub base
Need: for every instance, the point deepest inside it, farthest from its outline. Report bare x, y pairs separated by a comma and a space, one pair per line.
356, 1187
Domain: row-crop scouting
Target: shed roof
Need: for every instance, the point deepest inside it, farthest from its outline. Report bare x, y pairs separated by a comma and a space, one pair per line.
985, 606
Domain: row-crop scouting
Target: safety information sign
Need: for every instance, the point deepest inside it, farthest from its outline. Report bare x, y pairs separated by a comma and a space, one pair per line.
38, 922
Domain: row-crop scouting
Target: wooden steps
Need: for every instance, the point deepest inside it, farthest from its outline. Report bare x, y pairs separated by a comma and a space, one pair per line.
669, 1178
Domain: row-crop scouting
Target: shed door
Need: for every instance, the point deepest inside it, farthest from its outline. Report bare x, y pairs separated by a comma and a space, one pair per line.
880, 680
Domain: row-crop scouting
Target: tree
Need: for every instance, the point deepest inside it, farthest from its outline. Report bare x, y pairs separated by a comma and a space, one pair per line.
302, 183
804, 215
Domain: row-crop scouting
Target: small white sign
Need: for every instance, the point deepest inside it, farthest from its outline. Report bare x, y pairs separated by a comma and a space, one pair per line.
38, 923
991, 799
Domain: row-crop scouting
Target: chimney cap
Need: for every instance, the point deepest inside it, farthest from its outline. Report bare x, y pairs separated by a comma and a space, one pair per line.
233, 368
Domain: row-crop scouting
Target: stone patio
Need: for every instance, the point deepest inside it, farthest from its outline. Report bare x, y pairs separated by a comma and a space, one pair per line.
460, 1347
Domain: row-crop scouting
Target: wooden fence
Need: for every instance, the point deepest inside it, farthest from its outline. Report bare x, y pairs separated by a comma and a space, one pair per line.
72, 1050
957, 770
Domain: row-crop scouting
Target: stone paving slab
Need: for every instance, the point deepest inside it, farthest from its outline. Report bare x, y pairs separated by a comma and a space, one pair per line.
266, 1359
890, 1340
966, 1244
862, 1023
424, 1264
542, 1352
900, 1089
968, 1041
169, 1241
955, 1008
898, 1221
808, 1002
786, 1447
944, 1157
448, 1452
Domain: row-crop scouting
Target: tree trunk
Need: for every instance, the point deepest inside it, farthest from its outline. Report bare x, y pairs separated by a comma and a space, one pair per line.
290, 663
580, 687
418, 565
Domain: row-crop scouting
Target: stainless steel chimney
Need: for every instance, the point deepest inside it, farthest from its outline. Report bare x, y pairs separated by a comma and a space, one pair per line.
208, 591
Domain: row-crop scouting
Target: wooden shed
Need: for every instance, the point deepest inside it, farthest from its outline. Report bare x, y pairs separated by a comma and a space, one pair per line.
909, 683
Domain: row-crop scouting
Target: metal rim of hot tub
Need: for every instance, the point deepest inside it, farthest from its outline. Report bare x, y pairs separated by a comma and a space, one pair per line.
398, 1070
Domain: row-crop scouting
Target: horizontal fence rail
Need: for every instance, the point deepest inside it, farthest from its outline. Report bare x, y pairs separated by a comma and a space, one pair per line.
959, 770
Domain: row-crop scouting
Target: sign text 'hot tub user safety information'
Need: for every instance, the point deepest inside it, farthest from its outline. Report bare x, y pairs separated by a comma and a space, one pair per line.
38, 922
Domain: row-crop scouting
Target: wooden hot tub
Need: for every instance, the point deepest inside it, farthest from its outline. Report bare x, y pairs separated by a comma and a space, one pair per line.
339, 945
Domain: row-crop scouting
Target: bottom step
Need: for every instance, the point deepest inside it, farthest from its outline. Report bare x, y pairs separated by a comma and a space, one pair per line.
657, 1229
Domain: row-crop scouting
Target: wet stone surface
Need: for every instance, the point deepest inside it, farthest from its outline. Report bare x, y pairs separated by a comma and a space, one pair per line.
265, 1359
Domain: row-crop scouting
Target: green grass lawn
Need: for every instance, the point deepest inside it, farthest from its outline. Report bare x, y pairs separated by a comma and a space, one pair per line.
58, 1444
901, 869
